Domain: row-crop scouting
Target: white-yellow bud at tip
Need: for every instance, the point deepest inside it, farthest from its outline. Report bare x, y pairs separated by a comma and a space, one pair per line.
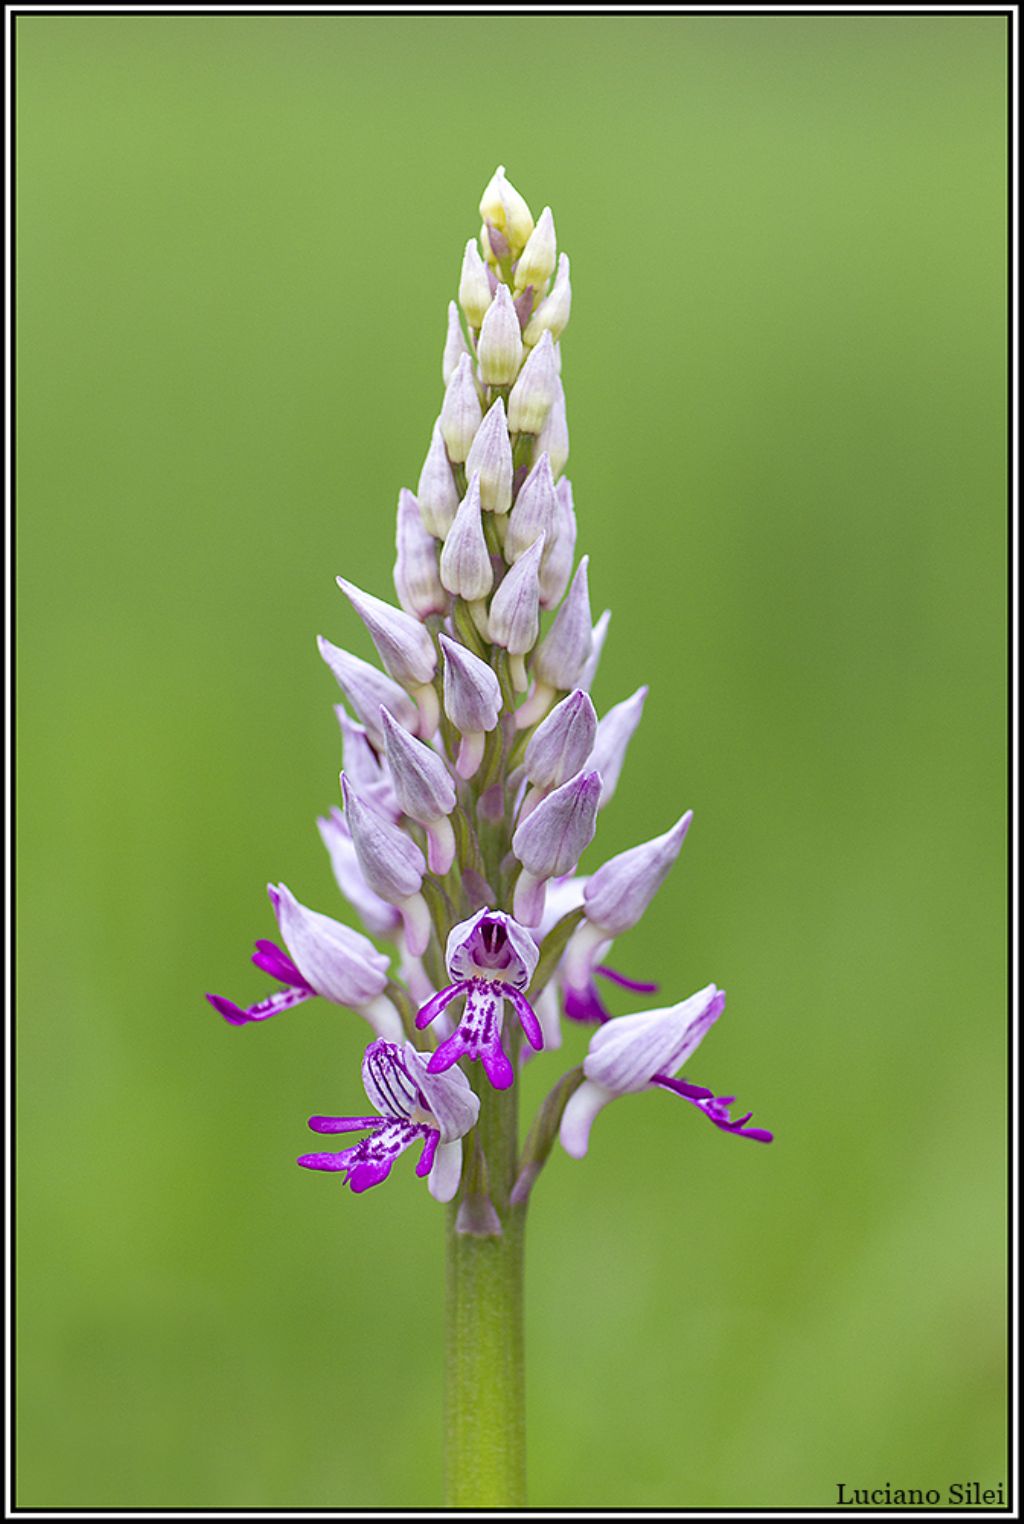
503, 207
553, 313
538, 258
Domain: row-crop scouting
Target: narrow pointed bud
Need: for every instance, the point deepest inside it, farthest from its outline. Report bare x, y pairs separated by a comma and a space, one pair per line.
534, 511
538, 258
417, 582
472, 701
562, 742
474, 287
403, 645
553, 313
455, 345
551, 840
615, 730
461, 413
423, 784
437, 493
562, 655
553, 439
531, 399
490, 457
465, 560
504, 210
560, 550
366, 772
392, 865
599, 635
366, 689
500, 347
514, 616
620, 891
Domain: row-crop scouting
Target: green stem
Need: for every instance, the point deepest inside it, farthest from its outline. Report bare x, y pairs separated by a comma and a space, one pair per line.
485, 1424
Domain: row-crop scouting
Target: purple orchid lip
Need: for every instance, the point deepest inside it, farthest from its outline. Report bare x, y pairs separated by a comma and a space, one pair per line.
715, 1108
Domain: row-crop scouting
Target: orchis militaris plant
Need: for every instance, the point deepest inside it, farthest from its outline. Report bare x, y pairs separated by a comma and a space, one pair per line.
474, 769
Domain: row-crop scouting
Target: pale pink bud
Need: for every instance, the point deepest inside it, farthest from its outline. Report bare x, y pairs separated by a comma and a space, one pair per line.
490, 457
562, 742
377, 915
365, 771
417, 582
392, 865
553, 313
366, 689
403, 645
461, 412
424, 789
465, 560
534, 392
560, 549
472, 694
514, 617
562, 655
500, 347
551, 840
474, 287
455, 345
534, 512
437, 493
620, 891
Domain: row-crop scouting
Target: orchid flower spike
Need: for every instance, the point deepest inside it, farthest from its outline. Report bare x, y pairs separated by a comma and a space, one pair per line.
642, 1052
324, 958
413, 1103
490, 959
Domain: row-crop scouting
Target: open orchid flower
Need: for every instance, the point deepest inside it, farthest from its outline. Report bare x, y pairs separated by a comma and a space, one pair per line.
633, 1053
325, 958
490, 959
414, 1104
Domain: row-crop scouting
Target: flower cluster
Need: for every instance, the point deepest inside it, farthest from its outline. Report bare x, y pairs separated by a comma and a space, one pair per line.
474, 770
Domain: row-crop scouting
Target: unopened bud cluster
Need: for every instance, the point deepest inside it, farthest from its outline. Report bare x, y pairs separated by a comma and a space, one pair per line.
474, 769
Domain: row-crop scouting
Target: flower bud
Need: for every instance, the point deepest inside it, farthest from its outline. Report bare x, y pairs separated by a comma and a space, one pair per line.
465, 560
500, 347
538, 258
416, 578
437, 493
403, 645
553, 313
461, 412
551, 840
514, 618
472, 701
562, 655
490, 457
532, 396
504, 209
424, 788
366, 689
376, 914
553, 439
562, 742
534, 512
614, 732
455, 345
560, 549
392, 865
474, 287
620, 891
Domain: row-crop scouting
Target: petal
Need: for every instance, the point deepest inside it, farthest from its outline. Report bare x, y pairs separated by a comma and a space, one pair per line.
638, 986
283, 1000
527, 1017
443, 1180
326, 1161
273, 961
425, 1164
439, 1002
342, 1124
578, 1117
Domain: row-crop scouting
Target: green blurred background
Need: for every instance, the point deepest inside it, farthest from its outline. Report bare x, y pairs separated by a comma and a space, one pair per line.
785, 373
